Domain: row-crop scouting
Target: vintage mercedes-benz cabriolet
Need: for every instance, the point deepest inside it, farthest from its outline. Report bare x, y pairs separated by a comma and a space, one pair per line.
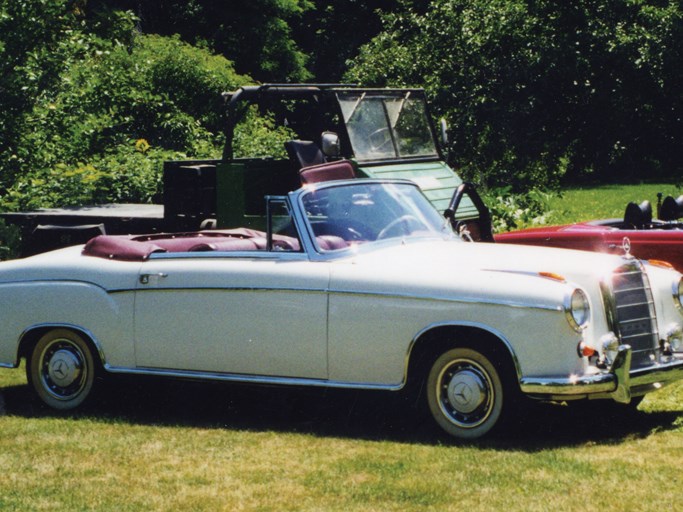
352, 284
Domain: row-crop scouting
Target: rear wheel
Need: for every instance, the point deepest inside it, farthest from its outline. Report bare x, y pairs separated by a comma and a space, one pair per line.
61, 369
465, 393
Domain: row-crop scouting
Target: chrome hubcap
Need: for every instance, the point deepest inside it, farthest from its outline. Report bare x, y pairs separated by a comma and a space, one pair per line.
465, 393
63, 368
63, 373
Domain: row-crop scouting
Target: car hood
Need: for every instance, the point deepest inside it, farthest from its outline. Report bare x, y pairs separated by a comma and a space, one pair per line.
515, 274
472, 257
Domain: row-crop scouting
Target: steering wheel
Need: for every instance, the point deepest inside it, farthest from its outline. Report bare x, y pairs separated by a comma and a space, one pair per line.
400, 226
379, 138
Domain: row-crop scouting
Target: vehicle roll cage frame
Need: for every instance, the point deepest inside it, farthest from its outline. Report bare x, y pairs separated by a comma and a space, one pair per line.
237, 102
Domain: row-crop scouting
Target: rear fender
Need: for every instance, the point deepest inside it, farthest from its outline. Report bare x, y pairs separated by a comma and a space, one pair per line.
35, 307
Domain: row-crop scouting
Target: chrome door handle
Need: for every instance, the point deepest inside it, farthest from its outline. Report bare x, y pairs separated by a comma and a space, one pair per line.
145, 278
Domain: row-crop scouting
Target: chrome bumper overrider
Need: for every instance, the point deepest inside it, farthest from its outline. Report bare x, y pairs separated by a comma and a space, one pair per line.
618, 383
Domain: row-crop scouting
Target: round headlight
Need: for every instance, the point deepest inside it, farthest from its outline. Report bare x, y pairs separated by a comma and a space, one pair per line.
577, 310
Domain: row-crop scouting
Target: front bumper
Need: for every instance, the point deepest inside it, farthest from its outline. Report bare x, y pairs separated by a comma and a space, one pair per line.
619, 383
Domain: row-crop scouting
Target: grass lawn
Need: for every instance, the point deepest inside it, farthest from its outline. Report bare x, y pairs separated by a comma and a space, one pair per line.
188, 446
151, 445
606, 201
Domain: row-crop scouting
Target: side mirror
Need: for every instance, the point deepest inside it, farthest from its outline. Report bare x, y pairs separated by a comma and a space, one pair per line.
329, 142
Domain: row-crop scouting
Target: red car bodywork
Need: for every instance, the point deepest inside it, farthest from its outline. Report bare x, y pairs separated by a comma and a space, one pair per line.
659, 241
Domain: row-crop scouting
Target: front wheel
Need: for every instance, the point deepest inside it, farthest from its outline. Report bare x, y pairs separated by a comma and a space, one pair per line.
61, 369
465, 393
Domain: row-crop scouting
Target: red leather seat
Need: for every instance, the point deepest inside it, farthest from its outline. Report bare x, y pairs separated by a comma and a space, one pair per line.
330, 171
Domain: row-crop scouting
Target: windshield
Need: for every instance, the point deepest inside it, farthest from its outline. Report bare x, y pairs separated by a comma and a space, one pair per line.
349, 214
384, 126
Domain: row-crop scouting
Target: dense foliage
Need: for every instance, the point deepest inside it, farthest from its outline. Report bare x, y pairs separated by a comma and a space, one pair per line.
95, 94
255, 34
332, 31
511, 211
270, 40
544, 90
109, 106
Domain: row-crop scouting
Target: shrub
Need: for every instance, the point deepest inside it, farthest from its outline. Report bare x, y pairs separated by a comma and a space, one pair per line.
516, 211
543, 91
259, 135
78, 145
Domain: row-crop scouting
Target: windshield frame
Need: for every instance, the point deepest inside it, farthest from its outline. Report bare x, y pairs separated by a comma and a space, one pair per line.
394, 146
437, 226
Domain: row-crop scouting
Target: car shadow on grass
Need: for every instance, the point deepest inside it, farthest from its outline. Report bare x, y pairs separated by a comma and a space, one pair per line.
367, 415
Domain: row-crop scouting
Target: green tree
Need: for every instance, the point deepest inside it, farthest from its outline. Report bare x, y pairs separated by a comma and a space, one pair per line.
114, 106
332, 32
255, 34
537, 91
36, 44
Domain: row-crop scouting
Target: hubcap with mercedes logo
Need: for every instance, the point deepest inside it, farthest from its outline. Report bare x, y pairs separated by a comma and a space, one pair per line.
465, 393
64, 368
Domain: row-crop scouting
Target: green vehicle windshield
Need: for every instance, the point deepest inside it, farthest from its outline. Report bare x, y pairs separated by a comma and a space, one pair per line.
389, 125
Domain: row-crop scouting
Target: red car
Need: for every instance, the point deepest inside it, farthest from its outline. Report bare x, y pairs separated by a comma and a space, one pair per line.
638, 232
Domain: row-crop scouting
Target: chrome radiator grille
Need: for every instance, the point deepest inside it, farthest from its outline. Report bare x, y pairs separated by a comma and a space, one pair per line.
633, 313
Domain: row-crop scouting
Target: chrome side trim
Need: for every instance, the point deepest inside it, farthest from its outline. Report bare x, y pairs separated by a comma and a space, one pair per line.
241, 255
251, 379
480, 301
460, 300
225, 289
56, 280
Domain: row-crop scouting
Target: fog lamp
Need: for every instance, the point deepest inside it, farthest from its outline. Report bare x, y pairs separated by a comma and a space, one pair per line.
610, 346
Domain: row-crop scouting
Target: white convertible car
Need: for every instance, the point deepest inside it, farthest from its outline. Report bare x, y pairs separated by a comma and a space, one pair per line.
353, 284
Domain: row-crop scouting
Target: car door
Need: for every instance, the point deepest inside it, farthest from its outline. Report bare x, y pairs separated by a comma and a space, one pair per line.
468, 215
264, 314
